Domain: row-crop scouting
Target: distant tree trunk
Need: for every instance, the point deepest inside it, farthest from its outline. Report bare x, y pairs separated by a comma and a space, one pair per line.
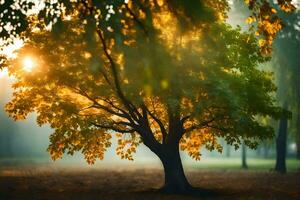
281, 145
266, 151
228, 150
258, 151
298, 135
244, 156
298, 150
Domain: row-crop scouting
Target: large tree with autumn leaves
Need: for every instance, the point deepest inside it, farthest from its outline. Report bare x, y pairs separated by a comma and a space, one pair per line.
169, 74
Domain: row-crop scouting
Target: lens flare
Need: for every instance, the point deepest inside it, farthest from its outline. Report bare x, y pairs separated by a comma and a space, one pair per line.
28, 64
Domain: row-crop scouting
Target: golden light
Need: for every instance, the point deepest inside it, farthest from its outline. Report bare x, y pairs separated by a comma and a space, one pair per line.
3, 73
28, 64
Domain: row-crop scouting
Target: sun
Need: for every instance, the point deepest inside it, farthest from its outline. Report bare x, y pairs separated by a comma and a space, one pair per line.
28, 64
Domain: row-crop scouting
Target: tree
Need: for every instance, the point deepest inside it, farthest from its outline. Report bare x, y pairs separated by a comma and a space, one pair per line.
298, 132
228, 150
169, 74
286, 47
244, 157
286, 69
281, 144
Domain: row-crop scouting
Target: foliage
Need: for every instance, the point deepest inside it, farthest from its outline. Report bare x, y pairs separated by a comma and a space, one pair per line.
266, 20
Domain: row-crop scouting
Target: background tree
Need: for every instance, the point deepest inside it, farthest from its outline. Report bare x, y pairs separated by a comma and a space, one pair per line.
228, 150
169, 74
281, 141
286, 65
244, 156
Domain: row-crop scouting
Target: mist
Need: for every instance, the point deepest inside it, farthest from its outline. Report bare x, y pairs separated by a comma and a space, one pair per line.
25, 141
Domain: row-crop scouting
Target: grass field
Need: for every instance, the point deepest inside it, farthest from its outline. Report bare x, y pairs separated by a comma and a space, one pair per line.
207, 163
40, 179
235, 164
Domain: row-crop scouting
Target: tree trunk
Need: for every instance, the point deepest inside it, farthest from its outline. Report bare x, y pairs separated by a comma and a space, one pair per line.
168, 153
298, 134
258, 151
266, 151
175, 179
244, 157
298, 150
281, 145
228, 150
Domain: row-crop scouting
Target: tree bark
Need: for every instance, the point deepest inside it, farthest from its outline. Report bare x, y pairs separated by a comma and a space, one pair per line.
244, 157
298, 150
298, 135
168, 153
175, 179
281, 145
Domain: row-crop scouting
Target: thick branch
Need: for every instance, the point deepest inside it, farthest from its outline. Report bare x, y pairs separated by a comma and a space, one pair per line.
157, 120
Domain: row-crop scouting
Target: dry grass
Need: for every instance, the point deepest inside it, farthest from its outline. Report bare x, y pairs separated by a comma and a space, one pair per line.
121, 182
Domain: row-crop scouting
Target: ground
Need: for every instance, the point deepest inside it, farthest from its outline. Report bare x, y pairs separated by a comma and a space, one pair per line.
52, 181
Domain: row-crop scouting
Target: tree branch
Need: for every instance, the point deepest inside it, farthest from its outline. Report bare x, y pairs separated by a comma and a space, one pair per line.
185, 118
135, 18
97, 105
111, 127
131, 108
200, 125
219, 128
157, 120
148, 137
118, 108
